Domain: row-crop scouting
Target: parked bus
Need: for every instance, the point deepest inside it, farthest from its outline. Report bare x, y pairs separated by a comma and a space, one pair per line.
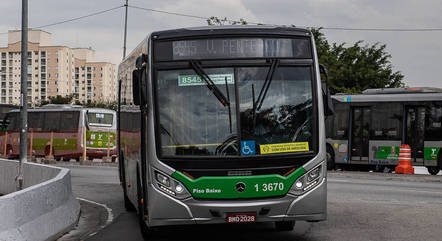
368, 129
230, 127
58, 131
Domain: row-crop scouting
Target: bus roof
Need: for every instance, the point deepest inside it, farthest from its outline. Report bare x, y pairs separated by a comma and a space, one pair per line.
402, 90
393, 95
230, 29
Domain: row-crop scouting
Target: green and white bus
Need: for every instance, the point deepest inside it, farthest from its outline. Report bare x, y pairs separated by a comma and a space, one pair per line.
230, 127
368, 129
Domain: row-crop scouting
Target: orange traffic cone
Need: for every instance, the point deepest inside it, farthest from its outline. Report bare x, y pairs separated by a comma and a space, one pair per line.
404, 166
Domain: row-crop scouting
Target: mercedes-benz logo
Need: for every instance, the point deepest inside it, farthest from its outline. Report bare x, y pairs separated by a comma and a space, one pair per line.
240, 187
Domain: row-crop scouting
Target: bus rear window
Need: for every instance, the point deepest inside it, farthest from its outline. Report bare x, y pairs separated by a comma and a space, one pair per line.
100, 118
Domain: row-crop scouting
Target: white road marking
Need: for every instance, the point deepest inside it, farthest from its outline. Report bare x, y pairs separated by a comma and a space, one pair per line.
110, 215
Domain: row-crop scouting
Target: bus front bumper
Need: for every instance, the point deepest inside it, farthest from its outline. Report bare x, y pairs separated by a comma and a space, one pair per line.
312, 206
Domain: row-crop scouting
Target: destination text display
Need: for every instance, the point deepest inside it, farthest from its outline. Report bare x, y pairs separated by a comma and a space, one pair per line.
227, 48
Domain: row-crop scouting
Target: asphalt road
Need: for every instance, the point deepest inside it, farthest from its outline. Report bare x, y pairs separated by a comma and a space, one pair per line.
361, 206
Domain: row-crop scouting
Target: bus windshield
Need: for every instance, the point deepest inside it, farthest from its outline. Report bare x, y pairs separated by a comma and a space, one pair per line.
100, 119
193, 122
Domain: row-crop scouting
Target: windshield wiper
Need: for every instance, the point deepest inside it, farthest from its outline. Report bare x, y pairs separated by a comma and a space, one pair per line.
209, 83
262, 94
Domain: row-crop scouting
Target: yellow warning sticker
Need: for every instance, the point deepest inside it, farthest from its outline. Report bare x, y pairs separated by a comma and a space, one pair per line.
284, 147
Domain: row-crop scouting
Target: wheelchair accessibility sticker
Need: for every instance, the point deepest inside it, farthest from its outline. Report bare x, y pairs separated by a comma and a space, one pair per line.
247, 148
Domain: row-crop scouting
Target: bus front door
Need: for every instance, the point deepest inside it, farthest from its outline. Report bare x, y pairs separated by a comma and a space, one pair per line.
415, 130
360, 132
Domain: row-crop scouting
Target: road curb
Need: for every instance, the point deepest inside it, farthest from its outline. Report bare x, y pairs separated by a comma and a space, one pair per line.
43, 210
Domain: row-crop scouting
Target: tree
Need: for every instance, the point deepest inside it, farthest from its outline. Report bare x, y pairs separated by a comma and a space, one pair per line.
58, 100
351, 69
217, 21
357, 67
69, 99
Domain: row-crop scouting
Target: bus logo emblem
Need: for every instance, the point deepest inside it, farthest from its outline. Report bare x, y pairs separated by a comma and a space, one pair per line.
240, 187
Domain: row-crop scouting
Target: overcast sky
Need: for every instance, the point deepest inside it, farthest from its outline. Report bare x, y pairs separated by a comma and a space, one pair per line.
416, 54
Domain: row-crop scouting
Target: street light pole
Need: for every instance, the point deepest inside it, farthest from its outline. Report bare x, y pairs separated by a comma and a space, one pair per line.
24, 94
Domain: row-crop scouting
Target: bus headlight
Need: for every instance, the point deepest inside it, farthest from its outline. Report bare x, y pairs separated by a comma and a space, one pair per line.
307, 181
170, 186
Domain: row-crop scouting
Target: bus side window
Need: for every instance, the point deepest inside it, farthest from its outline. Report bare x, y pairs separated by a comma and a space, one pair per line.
13, 119
433, 125
340, 122
386, 121
69, 121
36, 121
52, 121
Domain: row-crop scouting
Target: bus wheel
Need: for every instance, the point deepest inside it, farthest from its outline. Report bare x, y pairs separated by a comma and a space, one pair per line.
284, 225
143, 228
433, 170
330, 158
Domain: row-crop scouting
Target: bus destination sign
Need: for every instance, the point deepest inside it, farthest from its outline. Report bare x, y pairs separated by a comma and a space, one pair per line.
223, 48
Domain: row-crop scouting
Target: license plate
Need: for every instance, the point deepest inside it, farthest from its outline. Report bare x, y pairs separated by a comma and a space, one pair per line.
241, 218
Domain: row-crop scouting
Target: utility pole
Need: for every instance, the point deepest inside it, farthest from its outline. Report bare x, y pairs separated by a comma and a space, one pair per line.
24, 94
125, 30
119, 86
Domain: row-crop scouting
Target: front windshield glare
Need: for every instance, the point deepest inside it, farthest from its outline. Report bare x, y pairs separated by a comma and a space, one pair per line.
192, 121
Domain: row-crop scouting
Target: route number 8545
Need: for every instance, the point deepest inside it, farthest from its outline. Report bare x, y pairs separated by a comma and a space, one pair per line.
270, 187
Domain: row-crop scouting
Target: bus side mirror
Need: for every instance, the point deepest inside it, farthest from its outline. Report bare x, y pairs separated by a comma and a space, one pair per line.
136, 76
328, 103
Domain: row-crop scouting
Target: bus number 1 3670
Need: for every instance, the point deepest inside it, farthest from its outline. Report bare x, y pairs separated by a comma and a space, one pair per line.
270, 187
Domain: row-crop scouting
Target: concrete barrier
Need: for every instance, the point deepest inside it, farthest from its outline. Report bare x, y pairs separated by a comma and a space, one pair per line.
43, 210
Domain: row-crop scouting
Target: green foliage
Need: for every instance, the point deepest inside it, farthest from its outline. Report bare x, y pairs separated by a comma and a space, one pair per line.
219, 22
70, 100
106, 105
59, 100
351, 69
357, 67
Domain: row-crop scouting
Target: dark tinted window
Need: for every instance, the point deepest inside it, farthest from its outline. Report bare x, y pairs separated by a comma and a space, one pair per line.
340, 121
69, 120
36, 121
130, 121
433, 130
386, 121
13, 119
52, 121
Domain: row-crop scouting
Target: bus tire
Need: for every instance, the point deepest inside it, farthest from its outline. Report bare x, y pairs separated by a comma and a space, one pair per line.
330, 158
434, 170
284, 225
143, 228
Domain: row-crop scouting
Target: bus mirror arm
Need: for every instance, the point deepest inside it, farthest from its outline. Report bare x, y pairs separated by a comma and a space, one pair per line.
136, 86
328, 103
139, 81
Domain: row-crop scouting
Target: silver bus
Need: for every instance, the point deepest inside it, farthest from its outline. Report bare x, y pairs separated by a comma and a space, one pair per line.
223, 125
368, 129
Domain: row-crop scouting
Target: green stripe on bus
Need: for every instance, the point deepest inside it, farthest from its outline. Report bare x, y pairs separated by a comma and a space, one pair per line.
224, 187
59, 143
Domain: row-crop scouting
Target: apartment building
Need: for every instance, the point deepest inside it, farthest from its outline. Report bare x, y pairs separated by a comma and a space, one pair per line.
54, 70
